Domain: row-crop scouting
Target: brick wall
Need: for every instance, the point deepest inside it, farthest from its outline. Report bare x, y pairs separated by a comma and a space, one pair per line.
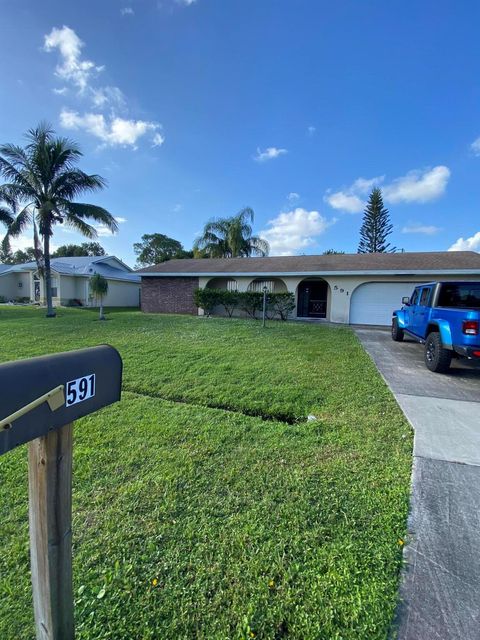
169, 295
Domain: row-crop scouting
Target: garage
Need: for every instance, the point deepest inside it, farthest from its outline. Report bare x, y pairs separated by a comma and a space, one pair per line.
373, 302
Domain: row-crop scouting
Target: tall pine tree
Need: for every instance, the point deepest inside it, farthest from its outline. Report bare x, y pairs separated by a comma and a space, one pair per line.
376, 226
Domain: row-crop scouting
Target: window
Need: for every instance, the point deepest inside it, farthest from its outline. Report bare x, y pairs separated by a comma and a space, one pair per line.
54, 285
414, 298
425, 297
231, 285
463, 295
259, 284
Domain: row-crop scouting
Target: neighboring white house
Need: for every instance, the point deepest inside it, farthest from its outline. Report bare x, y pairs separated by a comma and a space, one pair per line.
71, 282
350, 288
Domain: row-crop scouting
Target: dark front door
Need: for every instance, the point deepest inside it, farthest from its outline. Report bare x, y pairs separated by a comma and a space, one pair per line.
312, 299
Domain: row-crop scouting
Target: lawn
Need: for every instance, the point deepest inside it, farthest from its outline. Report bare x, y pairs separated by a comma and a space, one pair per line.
206, 505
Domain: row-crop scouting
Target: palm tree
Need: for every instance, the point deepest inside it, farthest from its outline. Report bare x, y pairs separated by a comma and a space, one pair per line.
43, 181
7, 214
231, 238
99, 288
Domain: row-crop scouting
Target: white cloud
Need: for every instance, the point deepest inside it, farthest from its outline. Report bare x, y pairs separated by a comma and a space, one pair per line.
294, 230
352, 199
186, 3
418, 186
415, 186
61, 92
311, 130
467, 244
157, 140
104, 96
111, 129
417, 227
127, 11
345, 201
114, 131
269, 154
365, 185
103, 231
120, 220
177, 208
475, 146
293, 196
72, 68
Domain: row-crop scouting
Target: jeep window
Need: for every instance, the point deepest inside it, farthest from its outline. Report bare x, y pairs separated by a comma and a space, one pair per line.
462, 296
414, 298
425, 297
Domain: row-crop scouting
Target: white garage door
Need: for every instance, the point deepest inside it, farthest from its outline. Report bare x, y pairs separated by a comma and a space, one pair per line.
373, 302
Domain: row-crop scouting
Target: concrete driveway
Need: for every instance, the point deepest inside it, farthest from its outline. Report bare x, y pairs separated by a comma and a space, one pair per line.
440, 591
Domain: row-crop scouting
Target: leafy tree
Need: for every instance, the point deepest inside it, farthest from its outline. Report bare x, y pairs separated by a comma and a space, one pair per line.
6, 256
157, 247
99, 288
231, 237
43, 181
27, 255
376, 226
333, 252
78, 250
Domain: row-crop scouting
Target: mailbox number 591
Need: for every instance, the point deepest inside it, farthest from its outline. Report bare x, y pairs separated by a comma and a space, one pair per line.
80, 389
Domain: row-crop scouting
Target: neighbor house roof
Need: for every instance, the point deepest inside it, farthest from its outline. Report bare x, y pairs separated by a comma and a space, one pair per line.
375, 263
81, 266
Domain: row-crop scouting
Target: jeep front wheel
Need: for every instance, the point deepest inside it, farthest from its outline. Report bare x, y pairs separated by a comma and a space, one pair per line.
397, 333
437, 358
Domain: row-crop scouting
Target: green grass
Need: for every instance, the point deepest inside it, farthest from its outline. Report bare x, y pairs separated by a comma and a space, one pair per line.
208, 479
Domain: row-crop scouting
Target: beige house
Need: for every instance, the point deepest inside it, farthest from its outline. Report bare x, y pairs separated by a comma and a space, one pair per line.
349, 289
71, 282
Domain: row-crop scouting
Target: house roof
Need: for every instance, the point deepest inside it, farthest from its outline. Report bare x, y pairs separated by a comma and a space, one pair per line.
81, 266
408, 263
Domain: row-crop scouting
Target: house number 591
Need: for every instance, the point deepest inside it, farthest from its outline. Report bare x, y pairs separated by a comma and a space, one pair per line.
80, 389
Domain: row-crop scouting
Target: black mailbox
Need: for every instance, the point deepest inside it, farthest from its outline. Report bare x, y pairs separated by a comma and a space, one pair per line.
45, 393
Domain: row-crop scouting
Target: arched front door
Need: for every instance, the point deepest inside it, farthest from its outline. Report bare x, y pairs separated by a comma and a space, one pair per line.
312, 299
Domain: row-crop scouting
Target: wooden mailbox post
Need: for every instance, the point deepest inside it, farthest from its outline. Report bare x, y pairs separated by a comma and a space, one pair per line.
40, 399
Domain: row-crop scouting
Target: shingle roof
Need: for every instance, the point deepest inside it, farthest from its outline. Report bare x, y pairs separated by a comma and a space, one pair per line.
388, 262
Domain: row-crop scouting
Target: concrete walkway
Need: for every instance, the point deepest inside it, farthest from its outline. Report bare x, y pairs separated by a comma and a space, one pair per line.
440, 590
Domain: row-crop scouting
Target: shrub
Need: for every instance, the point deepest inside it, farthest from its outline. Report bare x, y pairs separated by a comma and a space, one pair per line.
3, 299
282, 304
229, 301
207, 299
22, 299
250, 302
279, 305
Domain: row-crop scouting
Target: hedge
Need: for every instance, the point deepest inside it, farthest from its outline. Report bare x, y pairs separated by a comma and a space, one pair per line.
279, 305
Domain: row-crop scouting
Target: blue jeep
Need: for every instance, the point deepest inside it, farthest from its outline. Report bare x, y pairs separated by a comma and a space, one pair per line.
445, 317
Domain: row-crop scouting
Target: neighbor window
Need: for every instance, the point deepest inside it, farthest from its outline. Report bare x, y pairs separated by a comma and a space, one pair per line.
54, 285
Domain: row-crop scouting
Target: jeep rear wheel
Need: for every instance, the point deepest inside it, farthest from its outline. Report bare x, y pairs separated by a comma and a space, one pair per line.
397, 333
437, 358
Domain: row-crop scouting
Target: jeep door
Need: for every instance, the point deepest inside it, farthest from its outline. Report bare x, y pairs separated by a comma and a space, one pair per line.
421, 313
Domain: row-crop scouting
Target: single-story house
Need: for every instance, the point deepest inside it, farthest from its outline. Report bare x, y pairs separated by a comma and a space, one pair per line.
347, 288
70, 282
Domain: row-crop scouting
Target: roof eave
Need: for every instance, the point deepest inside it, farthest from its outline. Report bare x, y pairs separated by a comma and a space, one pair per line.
363, 272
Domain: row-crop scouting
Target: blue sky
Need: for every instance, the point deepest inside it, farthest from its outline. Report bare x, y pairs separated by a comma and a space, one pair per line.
193, 109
